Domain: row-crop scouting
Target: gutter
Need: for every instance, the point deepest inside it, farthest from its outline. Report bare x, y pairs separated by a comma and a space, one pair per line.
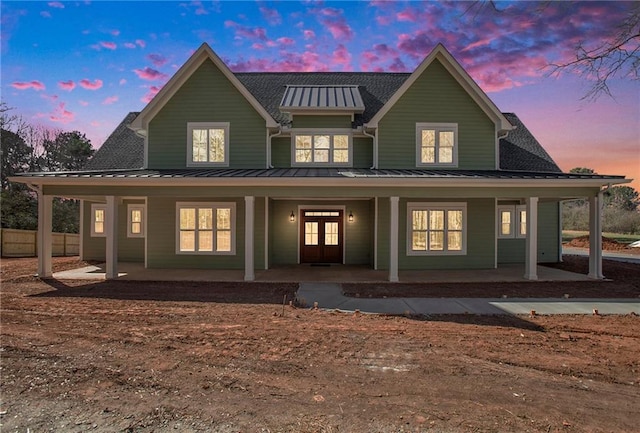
375, 145
269, 137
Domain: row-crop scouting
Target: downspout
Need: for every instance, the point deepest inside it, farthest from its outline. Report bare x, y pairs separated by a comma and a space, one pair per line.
269, 137
375, 145
500, 137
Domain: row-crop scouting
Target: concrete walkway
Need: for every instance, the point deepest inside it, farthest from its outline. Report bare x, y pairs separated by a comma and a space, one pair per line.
329, 296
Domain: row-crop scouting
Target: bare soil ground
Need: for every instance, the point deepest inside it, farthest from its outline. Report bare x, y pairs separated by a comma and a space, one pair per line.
156, 357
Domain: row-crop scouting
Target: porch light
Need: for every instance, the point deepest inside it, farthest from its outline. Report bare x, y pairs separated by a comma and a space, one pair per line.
292, 217
350, 216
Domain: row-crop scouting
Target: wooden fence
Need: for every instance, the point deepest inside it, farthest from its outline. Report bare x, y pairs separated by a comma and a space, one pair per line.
24, 243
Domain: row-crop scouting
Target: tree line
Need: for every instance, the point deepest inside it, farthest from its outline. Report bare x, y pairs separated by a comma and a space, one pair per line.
33, 148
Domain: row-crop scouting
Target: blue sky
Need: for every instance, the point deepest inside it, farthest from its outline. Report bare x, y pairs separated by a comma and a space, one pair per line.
85, 64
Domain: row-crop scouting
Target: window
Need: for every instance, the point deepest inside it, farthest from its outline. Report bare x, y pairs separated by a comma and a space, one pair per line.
437, 144
98, 217
135, 220
436, 228
321, 149
512, 221
205, 228
208, 144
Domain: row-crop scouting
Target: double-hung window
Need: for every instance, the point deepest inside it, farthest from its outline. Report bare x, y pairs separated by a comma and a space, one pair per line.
98, 220
512, 221
205, 228
437, 144
208, 144
135, 220
436, 228
321, 148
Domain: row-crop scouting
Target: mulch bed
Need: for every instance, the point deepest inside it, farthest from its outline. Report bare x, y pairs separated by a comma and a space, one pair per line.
623, 282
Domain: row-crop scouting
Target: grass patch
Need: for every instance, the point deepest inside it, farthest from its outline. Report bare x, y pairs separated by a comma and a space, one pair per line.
568, 235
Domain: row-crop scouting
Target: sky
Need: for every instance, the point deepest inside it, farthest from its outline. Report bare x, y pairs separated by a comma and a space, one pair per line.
83, 65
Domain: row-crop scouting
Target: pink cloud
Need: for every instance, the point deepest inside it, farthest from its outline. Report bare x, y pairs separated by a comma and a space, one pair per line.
157, 59
339, 29
122, 82
50, 98
153, 90
241, 31
271, 15
56, 5
108, 45
24, 85
308, 61
149, 74
67, 85
408, 14
110, 100
115, 32
383, 20
141, 43
309, 34
330, 12
285, 41
62, 115
129, 45
83, 103
87, 84
95, 123
342, 57
257, 46
45, 14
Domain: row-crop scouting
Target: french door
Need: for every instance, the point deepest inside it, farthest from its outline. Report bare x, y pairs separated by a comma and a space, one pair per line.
321, 236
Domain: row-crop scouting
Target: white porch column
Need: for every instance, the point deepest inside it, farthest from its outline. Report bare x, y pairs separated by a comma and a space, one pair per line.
249, 205
393, 237
45, 240
531, 253
595, 237
111, 233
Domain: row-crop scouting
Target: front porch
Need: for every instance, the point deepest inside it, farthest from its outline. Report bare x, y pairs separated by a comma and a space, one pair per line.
333, 273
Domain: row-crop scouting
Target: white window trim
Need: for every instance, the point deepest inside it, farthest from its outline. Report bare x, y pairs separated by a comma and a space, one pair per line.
94, 208
207, 205
446, 206
207, 125
143, 226
321, 131
437, 127
515, 221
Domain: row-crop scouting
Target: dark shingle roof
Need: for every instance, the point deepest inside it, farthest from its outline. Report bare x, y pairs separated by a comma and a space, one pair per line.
375, 88
521, 151
123, 149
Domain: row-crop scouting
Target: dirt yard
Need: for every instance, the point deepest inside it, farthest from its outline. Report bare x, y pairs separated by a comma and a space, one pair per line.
157, 357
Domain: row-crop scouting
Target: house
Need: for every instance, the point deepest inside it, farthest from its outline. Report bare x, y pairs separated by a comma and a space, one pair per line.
251, 171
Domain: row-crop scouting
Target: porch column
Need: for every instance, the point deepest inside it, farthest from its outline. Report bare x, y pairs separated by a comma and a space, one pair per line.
595, 237
45, 240
111, 233
531, 253
393, 237
249, 202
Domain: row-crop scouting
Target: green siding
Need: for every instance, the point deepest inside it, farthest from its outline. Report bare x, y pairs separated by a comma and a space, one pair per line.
94, 248
362, 152
283, 238
359, 248
480, 240
207, 96
161, 242
281, 152
513, 250
321, 121
436, 97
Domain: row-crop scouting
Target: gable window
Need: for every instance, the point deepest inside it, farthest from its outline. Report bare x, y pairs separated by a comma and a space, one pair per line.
205, 228
512, 221
437, 144
208, 144
135, 220
98, 219
436, 228
333, 149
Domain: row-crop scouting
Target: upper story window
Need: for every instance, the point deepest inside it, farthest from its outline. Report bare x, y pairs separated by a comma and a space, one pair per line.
322, 148
512, 221
437, 228
205, 228
98, 219
135, 220
208, 144
437, 144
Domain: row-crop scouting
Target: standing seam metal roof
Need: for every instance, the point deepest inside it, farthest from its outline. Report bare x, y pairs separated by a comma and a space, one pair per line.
333, 97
